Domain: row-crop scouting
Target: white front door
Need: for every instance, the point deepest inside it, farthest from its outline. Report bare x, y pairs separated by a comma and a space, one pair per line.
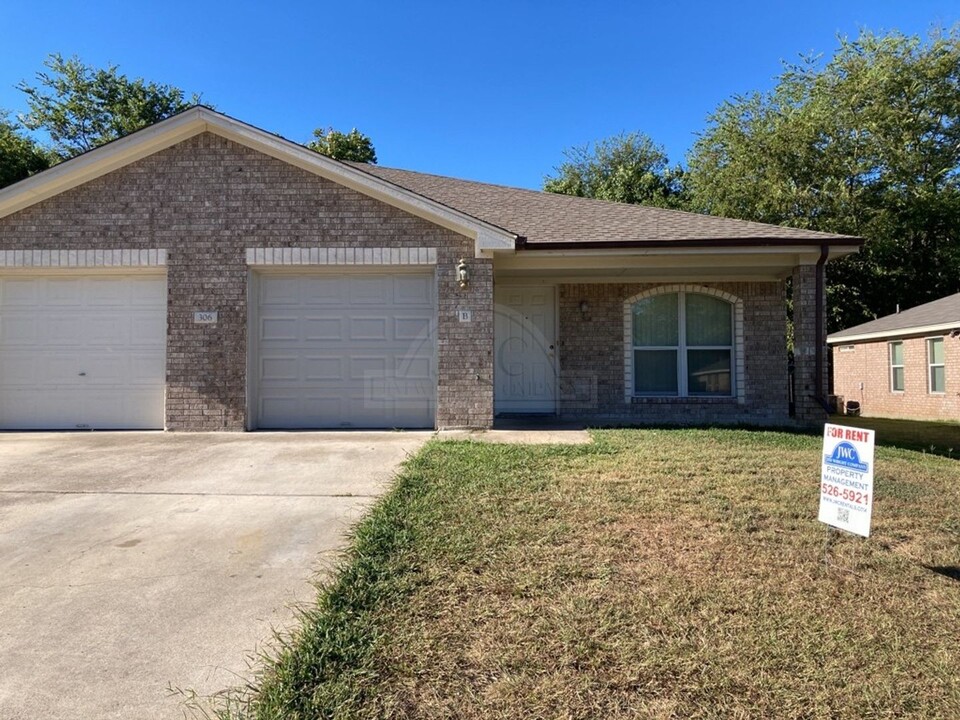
80, 349
525, 374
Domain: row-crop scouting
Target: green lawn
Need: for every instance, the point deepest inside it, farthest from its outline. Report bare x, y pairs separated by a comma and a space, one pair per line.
933, 437
652, 574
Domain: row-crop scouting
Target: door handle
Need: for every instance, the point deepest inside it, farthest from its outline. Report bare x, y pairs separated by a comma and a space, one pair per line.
83, 374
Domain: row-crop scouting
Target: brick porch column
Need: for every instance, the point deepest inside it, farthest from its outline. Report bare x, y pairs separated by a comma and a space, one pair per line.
807, 386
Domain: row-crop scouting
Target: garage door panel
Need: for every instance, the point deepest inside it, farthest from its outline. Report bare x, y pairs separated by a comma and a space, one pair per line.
18, 369
274, 369
325, 291
366, 368
415, 368
150, 294
62, 292
369, 290
280, 291
103, 330
315, 328
364, 360
323, 368
15, 293
90, 351
146, 368
18, 330
368, 328
413, 290
148, 331
279, 329
108, 292
411, 328
61, 330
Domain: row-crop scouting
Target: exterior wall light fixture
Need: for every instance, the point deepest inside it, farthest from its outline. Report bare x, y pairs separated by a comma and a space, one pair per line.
584, 307
463, 274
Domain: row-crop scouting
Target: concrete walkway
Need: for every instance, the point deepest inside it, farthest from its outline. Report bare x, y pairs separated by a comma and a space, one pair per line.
134, 561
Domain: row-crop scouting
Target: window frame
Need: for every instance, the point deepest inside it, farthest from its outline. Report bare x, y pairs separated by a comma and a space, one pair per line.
892, 366
931, 365
682, 348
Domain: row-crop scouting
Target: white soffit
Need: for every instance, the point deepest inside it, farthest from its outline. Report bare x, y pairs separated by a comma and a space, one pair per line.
169, 132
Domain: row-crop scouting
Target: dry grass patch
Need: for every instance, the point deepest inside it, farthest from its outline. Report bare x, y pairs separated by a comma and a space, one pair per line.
660, 574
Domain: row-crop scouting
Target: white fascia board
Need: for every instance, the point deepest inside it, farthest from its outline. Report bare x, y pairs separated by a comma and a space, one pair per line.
902, 332
169, 132
100, 161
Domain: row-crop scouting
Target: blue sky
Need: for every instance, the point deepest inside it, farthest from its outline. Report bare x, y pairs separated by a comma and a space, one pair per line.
490, 90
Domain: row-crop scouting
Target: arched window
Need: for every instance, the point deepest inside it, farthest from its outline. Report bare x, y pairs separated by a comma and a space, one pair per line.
682, 345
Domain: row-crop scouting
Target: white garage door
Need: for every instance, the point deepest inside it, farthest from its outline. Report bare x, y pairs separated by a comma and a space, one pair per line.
346, 350
82, 351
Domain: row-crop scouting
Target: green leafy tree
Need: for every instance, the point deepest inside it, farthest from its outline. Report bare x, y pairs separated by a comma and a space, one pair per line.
81, 107
866, 143
627, 168
20, 156
353, 146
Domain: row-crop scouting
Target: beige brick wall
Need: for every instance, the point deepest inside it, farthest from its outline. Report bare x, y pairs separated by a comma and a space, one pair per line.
208, 199
868, 363
591, 358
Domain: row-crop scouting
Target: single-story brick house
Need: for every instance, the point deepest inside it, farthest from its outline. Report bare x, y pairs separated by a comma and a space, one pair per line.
904, 365
202, 274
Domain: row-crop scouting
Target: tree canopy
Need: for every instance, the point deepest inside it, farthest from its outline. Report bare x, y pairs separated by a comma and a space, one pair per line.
628, 168
20, 156
81, 107
867, 143
353, 146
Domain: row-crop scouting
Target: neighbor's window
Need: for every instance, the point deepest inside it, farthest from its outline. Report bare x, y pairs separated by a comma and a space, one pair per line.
936, 371
682, 345
896, 366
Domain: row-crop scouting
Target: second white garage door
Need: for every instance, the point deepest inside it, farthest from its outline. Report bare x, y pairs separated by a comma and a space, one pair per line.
345, 350
82, 350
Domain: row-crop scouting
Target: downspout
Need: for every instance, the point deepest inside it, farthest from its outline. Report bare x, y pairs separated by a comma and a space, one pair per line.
819, 330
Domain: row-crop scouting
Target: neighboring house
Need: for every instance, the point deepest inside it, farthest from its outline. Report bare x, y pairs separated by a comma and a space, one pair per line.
905, 365
202, 274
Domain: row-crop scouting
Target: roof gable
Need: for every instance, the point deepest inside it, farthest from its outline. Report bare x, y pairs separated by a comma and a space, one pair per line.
180, 127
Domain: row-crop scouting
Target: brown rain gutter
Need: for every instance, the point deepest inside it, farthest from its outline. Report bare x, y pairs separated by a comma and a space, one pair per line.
523, 244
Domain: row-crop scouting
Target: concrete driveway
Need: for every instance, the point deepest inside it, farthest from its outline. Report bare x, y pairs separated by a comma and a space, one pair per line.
130, 562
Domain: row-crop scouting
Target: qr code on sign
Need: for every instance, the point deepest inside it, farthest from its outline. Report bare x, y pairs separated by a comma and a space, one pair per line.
843, 515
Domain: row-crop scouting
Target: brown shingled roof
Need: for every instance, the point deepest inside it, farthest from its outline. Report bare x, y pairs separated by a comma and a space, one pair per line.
944, 312
546, 220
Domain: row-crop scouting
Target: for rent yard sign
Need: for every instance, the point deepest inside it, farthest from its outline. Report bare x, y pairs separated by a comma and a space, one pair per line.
846, 478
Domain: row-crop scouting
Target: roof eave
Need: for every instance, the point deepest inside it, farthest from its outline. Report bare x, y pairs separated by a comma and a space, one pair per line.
853, 243
938, 328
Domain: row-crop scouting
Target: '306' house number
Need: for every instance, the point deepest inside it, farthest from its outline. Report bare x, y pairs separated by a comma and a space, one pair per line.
205, 317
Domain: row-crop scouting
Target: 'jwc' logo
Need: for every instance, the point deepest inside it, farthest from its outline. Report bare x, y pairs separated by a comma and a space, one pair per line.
846, 456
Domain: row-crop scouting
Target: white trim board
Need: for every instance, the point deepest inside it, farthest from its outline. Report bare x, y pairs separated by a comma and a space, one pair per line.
89, 258
342, 256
